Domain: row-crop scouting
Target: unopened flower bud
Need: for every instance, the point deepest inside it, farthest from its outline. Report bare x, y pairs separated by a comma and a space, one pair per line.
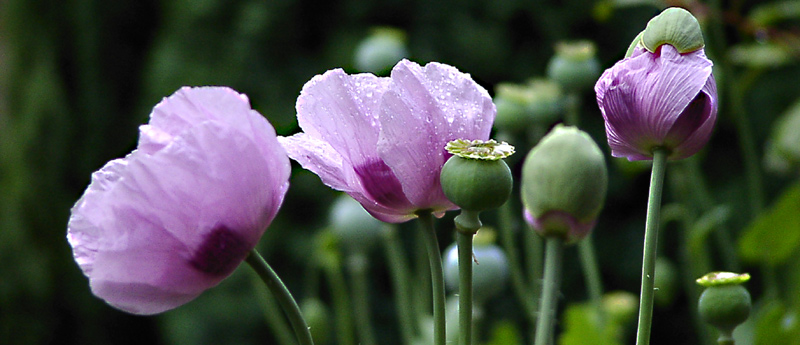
521, 105
725, 303
476, 178
381, 50
355, 229
574, 66
676, 27
564, 183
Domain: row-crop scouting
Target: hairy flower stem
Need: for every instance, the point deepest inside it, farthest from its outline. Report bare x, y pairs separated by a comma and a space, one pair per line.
282, 294
437, 276
650, 246
554, 248
594, 282
464, 241
521, 289
357, 265
400, 279
467, 224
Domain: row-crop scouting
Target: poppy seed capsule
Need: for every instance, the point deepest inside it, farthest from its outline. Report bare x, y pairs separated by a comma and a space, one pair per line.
725, 303
564, 182
574, 66
475, 178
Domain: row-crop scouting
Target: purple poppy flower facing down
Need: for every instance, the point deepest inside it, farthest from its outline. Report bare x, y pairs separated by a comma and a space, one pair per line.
658, 100
178, 214
381, 140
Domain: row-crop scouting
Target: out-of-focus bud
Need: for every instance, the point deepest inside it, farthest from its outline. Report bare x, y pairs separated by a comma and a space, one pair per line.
574, 66
318, 319
521, 105
725, 303
783, 150
355, 229
620, 306
381, 50
564, 183
490, 272
666, 282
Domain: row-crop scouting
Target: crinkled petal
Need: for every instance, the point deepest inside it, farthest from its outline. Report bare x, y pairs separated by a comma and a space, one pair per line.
426, 108
155, 230
642, 97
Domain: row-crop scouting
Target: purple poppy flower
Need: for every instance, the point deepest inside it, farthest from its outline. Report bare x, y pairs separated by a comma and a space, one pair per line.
658, 100
180, 213
382, 140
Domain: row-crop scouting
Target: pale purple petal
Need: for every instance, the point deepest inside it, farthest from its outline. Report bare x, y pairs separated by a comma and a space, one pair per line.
696, 140
341, 110
426, 108
157, 228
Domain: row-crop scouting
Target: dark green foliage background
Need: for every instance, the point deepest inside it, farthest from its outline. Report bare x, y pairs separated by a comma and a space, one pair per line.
78, 76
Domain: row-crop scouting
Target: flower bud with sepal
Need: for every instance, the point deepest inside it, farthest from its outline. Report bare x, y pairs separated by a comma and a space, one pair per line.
564, 183
676, 27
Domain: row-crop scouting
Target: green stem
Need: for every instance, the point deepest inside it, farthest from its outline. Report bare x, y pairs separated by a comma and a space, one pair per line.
422, 274
554, 248
515, 269
282, 294
357, 265
573, 109
341, 304
437, 276
594, 282
276, 321
534, 247
464, 242
650, 245
400, 279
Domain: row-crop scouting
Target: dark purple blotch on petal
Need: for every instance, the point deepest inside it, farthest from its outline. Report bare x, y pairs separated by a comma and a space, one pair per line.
381, 184
220, 253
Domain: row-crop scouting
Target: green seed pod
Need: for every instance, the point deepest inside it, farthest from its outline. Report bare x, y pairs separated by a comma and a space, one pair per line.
676, 27
725, 303
355, 229
620, 306
564, 183
476, 178
381, 50
574, 66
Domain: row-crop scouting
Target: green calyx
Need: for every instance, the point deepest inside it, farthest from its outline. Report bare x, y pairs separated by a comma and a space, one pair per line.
676, 27
475, 178
565, 174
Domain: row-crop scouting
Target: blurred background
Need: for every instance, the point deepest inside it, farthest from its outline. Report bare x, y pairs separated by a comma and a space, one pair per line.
77, 77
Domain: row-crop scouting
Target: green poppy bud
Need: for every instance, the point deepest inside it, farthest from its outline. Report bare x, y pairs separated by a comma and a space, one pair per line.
574, 66
564, 183
381, 50
476, 178
676, 27
725, 303
620, 306
355, 229
521, 105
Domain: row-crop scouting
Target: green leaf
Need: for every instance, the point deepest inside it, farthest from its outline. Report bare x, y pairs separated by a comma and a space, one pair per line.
580, 328
504, 333
775, 234
776, 325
